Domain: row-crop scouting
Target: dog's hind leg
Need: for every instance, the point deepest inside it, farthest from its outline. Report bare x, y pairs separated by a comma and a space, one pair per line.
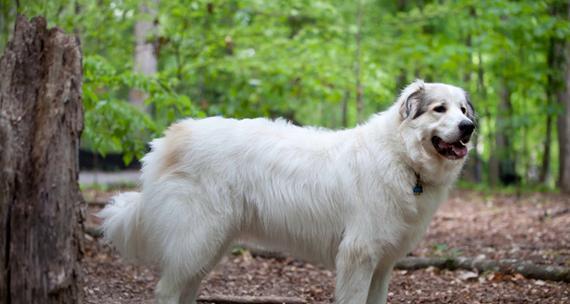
175, 287
168, 290
181, 279
191, 288
172, 290
193, 236
378, 293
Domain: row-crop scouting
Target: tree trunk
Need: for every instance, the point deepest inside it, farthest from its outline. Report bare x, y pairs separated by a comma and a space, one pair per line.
553, 64
503, 163
358, 64
545, 166
344, 109
41, 118
401, 80
472, 170
482, 90
145, 57
563, 96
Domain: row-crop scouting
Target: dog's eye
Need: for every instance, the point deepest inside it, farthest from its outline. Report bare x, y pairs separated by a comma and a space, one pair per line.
440, 109
463, 110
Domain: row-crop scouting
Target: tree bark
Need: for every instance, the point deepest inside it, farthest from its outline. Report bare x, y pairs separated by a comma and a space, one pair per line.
41, 119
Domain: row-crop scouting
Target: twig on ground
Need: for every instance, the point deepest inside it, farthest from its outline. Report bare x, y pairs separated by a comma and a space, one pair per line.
510, 266
221, 299
553, 213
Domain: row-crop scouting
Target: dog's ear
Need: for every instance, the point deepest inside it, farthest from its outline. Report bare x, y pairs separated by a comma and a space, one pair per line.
411, 99
470, 109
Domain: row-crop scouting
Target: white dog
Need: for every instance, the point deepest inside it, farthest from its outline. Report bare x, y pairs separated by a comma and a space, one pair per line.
356, 200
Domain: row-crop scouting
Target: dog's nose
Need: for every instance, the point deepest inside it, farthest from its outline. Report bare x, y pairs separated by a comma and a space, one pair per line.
466, 127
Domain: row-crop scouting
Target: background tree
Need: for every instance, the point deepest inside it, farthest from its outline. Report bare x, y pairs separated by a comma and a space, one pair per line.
296, 59
145, 61
561, 50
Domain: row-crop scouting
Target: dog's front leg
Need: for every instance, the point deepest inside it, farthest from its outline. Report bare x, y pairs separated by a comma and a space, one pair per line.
355, 266
378, 293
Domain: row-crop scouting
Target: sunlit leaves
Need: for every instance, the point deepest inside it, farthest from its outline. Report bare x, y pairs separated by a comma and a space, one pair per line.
246, 58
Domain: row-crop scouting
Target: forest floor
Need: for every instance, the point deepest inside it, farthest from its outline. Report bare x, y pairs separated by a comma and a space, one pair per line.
531, 227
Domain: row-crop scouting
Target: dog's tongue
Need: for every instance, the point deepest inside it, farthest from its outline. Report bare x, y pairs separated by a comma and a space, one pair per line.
443, 145
459, 149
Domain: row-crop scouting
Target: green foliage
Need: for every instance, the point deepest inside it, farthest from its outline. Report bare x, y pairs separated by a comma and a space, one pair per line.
487, 190
245, 58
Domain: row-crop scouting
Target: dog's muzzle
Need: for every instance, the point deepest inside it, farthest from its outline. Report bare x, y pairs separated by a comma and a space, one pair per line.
466, 128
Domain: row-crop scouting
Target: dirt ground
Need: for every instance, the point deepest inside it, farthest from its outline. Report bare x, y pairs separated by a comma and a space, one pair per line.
531, 227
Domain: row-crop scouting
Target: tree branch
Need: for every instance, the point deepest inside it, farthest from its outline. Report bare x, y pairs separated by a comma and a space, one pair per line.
508, 266
221, 299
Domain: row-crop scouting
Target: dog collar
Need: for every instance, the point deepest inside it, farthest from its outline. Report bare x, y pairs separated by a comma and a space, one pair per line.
418, 188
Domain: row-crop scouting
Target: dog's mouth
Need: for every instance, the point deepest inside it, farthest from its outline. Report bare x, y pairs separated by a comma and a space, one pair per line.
456, 150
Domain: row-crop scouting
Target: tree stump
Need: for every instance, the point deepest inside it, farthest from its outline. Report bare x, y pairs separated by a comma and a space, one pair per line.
41, 119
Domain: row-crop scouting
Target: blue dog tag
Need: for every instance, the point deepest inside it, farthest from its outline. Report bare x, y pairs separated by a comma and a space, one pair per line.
418, 189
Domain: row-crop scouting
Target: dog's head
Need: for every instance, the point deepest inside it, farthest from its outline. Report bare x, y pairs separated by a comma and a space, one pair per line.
439, 116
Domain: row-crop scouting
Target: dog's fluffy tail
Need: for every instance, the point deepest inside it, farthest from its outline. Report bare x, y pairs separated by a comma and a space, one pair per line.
121, 224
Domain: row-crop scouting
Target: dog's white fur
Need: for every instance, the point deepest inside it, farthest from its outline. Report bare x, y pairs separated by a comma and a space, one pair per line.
341, 198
